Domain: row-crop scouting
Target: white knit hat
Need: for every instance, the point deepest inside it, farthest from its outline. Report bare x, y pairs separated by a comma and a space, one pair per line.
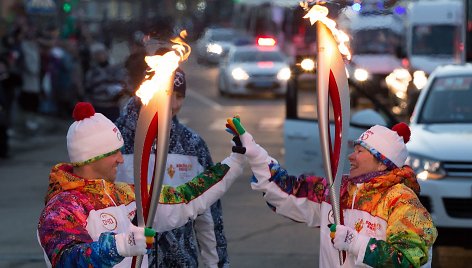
387, 145
92, 136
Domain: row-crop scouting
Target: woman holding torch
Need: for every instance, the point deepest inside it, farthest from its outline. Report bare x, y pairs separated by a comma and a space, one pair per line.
383, 222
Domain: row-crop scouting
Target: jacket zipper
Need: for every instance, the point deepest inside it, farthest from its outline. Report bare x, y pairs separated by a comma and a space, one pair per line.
105, 190
354, 196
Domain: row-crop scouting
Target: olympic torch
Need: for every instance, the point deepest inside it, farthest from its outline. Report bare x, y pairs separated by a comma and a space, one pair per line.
154, 123
332, 86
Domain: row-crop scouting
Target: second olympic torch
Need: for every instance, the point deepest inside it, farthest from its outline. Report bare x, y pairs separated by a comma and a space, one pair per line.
332, 86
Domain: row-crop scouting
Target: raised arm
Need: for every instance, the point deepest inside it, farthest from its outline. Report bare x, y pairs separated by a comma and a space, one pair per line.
296, 198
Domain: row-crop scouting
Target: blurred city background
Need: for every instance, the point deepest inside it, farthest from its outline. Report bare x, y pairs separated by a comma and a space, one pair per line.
54, 53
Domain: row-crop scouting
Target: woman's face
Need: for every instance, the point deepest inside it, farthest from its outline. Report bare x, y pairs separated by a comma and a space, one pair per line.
362, 162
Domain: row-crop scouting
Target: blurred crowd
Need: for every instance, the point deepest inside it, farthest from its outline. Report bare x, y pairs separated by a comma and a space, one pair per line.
44, 71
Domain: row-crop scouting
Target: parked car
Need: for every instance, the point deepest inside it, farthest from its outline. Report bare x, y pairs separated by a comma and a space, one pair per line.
214, 44
441, 151
254, 69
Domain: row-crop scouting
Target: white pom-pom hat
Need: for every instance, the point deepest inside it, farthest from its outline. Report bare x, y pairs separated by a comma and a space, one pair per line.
387, 145
92, 136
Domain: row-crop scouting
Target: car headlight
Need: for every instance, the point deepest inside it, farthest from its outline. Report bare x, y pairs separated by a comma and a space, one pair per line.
361, 74
284, 74
419, 79
398, 81
214, 48
425, 168
308, 65
239, 74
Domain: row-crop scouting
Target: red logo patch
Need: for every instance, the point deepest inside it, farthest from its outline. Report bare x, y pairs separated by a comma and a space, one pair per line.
108, 221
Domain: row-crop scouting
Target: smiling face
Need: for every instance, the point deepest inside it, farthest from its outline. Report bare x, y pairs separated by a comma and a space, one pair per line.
105, 168
363, 162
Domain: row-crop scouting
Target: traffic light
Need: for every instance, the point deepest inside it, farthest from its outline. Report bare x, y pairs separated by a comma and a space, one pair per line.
67, 7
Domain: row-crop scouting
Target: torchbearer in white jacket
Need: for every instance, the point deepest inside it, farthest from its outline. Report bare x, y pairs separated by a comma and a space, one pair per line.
87, 220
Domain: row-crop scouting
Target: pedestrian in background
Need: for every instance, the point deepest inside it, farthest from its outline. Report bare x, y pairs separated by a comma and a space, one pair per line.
30, 94
104, 82
9, 82
188, 156
383, 222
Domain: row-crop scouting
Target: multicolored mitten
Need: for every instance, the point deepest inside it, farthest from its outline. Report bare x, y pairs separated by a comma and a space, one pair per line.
250, 148
234, 127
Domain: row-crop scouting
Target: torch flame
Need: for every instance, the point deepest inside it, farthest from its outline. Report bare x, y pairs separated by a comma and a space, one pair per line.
180, 46
163, 66
320, 13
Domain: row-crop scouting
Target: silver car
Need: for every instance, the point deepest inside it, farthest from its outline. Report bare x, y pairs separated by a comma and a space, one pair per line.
254, 69
441, 150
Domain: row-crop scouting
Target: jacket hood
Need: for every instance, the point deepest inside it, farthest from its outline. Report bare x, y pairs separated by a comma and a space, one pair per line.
62, 179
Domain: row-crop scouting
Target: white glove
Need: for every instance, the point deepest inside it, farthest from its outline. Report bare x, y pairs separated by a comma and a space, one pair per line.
346, 238
133, 242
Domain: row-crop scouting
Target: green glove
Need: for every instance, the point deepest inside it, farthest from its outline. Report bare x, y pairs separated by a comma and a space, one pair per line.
234, 127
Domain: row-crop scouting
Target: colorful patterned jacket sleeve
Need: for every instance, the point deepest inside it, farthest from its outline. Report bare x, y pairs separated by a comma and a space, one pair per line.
102, 253
66, 241
296, 198
178, 205
410, 233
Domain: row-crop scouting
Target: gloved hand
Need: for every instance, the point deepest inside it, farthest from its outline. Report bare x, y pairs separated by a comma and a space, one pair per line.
346, 238
134, 242
243, 140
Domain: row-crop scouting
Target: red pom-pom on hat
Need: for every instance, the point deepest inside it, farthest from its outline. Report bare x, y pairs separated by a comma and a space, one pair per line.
403, 130
83, 110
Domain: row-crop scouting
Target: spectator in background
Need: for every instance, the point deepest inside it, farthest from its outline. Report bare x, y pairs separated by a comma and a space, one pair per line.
30, 62
62, 73
188, 156
8, 84
104, 83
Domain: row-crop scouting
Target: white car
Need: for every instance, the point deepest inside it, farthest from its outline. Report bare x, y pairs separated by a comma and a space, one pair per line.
214, 44
441, 150
254, 69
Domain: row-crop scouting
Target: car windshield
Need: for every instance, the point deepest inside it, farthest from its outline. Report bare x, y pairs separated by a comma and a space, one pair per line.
449, 100
435, 40
375, 41
255, 56
222, 36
